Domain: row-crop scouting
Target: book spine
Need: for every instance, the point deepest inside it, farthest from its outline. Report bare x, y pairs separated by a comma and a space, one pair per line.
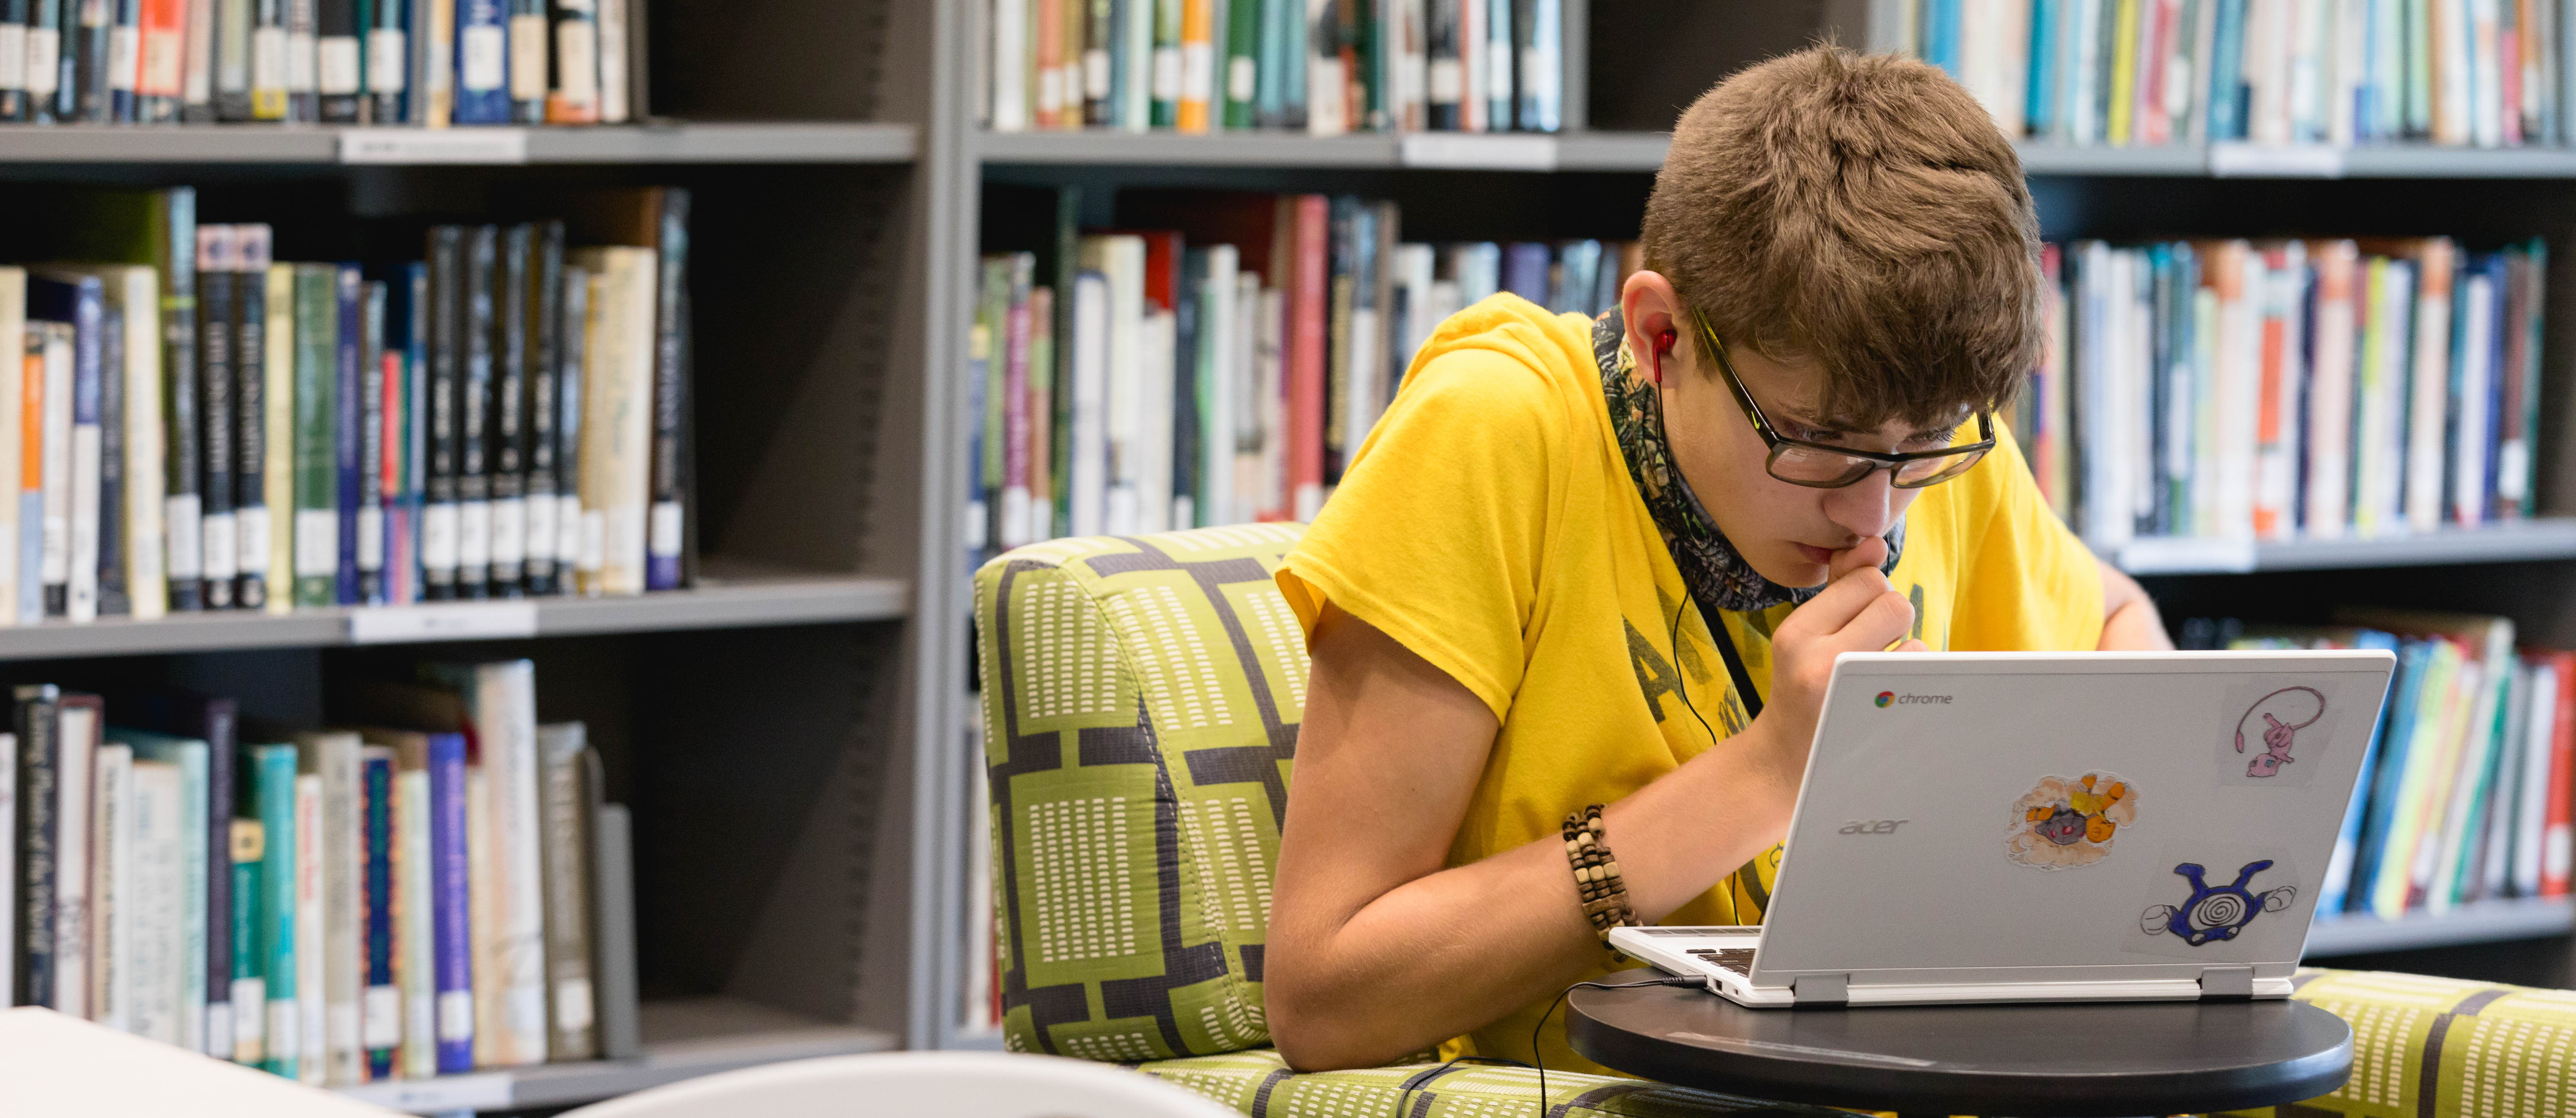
159, 944
1306, 355
160, 60
575, 356
388, 61
380, 1013
615, 91
482, 63
317, 499
448, 897
473, 417
303, 62
506, 443
75, 852
504, 705
338, 61
544, 378
667, 524
446, 349
102, 41
85, 455
415, 923
107, 552
565, 849
230, 61
2558, 836
250, 416
37, 824
247, 965
46, 380
277, 471
219, 554
112, 897
415, 428
226, 1002
362, 482
13, 62
275, 793
348, 410
267, 59
574, 96
313, 941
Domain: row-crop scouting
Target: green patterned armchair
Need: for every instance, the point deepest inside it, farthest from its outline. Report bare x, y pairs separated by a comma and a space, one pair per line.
1141, 698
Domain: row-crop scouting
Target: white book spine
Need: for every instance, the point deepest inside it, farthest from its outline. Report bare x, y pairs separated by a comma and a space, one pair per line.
2429, 388
613, 35
156, 900
1243, 423
277, 477
312, 953
9, 903
56, 554
1008, 21
343, 849
1089, 459
76, 734
2531, 816
1269, 413
505, 721
2468, 472
1220, 316
14, 345
482, 893
1151, 439
111, 887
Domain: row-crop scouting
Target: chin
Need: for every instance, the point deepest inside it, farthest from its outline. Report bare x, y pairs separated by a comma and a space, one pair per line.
1793, 570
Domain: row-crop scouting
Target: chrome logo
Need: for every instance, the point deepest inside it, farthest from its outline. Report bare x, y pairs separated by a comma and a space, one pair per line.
1886, 697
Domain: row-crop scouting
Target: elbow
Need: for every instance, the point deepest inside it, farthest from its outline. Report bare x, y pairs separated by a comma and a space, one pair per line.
1312, 1037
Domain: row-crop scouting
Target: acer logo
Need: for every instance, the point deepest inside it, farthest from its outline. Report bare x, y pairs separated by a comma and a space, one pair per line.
1873, 826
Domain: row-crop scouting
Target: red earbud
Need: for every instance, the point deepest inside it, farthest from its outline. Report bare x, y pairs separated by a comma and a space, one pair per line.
1663, 345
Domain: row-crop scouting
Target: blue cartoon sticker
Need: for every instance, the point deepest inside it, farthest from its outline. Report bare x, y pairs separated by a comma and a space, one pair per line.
2215, 913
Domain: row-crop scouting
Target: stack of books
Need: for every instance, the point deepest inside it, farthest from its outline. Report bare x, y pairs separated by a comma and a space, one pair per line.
2277, 390
1323, 67
196, 424
1213, 360
2465, 795
2489, 73
417, 897
430, 63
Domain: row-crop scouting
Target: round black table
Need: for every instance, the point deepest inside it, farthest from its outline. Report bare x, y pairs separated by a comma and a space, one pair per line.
2056, 1060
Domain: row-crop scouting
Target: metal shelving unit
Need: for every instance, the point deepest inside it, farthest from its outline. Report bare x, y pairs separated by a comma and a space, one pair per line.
2479, 922
663, 142
682, 1040
2511, 542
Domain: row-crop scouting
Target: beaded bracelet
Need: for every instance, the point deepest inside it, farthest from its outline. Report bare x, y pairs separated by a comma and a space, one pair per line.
1596, 872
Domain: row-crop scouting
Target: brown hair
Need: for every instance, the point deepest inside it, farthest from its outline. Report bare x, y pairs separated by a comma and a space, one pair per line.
1862, 212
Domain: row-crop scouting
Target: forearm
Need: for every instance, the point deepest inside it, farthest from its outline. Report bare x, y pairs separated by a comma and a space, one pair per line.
1453, 950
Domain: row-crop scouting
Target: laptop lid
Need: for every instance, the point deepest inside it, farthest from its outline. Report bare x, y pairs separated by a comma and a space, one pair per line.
1998, 818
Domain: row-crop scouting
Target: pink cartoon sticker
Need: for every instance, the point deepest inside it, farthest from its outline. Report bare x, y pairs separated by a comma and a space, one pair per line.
2064, 823
2284, 713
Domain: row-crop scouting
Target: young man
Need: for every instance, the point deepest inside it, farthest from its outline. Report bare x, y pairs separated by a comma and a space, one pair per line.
1612, 563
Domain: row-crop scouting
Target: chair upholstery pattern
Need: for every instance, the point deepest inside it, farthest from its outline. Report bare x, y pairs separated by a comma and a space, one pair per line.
1140, 706
1259, 1084
2426, 1047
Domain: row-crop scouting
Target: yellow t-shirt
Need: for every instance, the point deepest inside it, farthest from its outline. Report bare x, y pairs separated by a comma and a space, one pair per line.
1490, 525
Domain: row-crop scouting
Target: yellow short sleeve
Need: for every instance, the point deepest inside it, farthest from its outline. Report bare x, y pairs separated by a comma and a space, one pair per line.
1438, 530
2030, 585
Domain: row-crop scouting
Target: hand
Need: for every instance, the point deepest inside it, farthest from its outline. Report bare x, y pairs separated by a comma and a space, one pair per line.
1858, 612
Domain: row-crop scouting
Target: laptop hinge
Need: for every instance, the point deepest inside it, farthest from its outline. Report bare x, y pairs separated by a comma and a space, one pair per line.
2226, 983
1827, 989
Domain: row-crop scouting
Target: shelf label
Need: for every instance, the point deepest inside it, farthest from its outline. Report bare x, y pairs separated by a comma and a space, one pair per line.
445, 622
2275, 161
2186, 555
1475, 152
434, 145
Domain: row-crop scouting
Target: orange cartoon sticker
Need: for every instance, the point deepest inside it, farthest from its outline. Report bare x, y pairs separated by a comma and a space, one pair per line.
2064, 823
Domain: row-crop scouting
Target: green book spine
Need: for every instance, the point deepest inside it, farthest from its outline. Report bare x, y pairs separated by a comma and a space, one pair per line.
249, 990
1165, 84
275, 795
317, 477
1237, 73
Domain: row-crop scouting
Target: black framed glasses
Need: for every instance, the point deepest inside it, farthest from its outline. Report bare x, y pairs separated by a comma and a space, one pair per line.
1819, 466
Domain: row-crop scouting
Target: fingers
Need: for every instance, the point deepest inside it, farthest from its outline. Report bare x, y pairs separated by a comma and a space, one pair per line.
1868, 554
1845, 599
1912, 645
1884, 621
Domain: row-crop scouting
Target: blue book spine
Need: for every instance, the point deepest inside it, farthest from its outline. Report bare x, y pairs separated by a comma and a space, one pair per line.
452, 919
415, 433
1542, 99
2498, 277
276, 799
1941, 35
2347, 847
1122, 69
381, 1015
2405, 694
482, 63
2040, 97
349, 431
1525, 270
2226, 65
1499, 57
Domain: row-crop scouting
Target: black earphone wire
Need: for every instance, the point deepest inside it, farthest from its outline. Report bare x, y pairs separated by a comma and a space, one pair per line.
1681, 675
1541, 1027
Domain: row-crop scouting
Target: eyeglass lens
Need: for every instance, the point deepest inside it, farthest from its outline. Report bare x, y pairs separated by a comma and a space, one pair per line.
1806, 466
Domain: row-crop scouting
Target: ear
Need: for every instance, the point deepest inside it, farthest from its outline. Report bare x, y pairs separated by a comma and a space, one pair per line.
1653, 314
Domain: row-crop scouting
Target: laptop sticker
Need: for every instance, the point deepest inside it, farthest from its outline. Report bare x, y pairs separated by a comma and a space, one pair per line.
2283, 713
2216, 913
2063, 823
2272, 729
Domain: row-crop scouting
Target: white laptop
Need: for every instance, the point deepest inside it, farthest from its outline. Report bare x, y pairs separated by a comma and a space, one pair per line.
1994, 827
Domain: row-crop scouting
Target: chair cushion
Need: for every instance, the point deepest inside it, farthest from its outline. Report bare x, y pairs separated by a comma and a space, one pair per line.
2443, 1048
1258, 1083
1140, 704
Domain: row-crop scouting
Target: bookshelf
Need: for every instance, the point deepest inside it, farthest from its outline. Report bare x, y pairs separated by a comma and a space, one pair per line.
1623, 91
662, 142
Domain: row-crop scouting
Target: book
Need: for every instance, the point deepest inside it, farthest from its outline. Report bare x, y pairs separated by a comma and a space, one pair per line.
164, 936
174, 726
339, 62
76, 740
160, 60
438, 546
574, 97
111, 873
482, 90
38, 842
21, 360
449, 886
380, 1006
615, 429
219, 555
411, 936
363, 479
388, 69
564, 760
278, 437
316, 438
310, 913
251, 405
529, 53
348, 403
188, 888
45, 373
269, 48
248, 849
546, 372
69, 432
506, 443
574, 357
272, 794
330, 761
668, 525
503, 701
230, 47
480, 274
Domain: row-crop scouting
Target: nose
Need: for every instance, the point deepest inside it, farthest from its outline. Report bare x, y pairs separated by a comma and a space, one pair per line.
1868, 507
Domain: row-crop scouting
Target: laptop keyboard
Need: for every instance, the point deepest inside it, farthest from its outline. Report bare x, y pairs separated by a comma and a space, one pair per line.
1736, 960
